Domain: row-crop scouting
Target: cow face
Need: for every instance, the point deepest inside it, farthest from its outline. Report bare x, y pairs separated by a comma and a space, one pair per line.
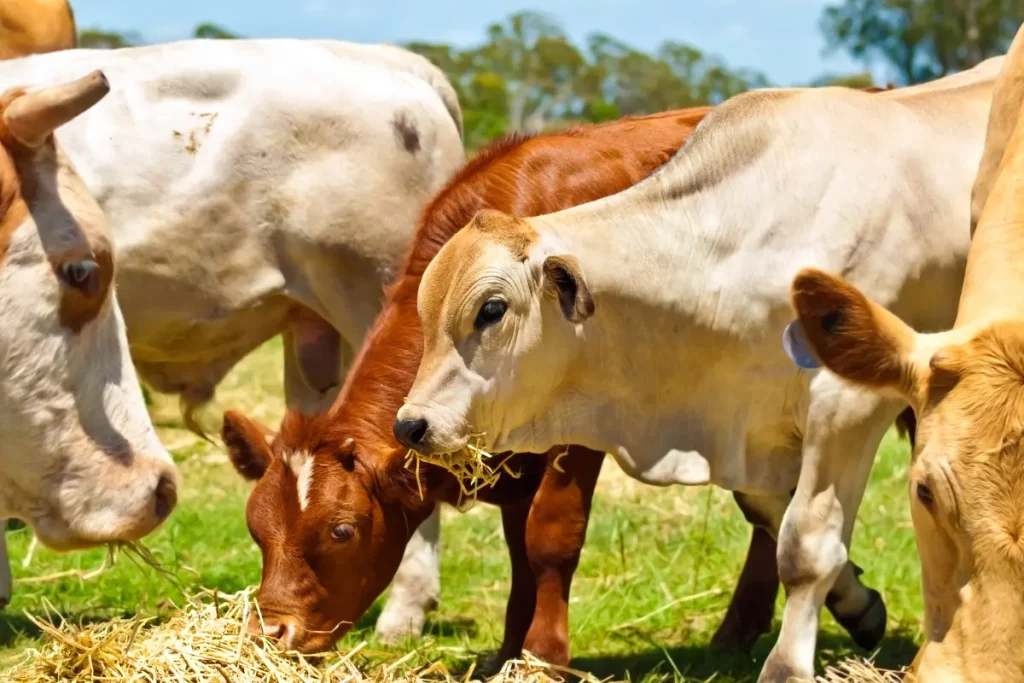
967, 472
500, 310
79, 459
332, 530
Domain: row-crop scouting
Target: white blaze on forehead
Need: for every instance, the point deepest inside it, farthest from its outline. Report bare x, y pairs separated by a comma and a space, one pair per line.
301, 465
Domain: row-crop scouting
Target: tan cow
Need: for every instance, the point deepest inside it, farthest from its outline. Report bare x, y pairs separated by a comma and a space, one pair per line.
967, 388
79, 459
35, 26
646, 325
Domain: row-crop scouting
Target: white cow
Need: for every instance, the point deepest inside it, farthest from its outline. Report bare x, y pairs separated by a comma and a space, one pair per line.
79, 459
259, 187
647, 325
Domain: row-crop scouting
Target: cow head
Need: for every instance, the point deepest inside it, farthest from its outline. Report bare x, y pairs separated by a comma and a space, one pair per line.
500, 309
332, 528
79, 459
967, 472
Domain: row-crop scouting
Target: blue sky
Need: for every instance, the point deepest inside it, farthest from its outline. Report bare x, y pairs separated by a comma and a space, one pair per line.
779, 37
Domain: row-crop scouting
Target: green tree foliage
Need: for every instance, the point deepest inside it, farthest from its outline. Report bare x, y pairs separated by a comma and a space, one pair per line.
922, 39
108, 40
213, 31
528, 75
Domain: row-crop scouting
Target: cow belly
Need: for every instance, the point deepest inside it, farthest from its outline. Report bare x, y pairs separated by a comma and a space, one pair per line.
173, 355
688, 468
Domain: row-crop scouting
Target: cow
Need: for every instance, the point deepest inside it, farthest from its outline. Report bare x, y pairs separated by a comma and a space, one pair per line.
645, 324
966, 477
80, 460
259, 187
358, 464
36, 26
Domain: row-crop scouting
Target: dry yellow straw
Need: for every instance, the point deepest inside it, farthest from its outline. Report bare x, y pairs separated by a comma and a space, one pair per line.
470, 466
862, 671
206, 643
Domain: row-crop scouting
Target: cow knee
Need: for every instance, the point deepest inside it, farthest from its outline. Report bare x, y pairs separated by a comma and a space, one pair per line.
811, 552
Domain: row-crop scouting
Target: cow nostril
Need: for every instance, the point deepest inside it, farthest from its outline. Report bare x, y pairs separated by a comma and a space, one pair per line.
410, 432
165, 497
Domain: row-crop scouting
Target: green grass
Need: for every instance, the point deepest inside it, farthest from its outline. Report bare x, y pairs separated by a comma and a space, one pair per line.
646, 548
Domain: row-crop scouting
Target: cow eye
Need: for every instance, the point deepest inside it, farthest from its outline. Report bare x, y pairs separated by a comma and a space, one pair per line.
924, 494
343, 532
491, 312
82, 275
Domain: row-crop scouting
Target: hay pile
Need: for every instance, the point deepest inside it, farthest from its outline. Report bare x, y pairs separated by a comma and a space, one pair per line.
206, 643
862, 671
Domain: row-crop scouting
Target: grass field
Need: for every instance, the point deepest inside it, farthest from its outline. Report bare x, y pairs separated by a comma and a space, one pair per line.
653, 583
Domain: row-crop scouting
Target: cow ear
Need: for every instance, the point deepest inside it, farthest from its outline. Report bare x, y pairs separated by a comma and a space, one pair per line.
854, 337
564, 278
347, 454
248, 444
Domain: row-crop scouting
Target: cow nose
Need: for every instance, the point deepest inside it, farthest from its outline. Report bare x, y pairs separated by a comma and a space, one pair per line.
165, 497
281, 630
410, 432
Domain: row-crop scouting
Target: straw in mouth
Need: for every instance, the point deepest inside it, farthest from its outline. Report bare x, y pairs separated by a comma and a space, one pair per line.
471, 466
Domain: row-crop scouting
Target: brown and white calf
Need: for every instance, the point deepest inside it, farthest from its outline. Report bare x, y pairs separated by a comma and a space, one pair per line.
967, 387
646, 325
79, 459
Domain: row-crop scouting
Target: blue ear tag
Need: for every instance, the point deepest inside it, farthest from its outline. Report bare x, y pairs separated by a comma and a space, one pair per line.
795, 343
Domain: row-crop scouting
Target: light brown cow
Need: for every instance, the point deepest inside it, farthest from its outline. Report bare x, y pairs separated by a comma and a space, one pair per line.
967, 388
35, 26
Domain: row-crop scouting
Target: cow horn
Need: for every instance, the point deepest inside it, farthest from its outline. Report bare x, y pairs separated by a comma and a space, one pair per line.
33, 116
348, 447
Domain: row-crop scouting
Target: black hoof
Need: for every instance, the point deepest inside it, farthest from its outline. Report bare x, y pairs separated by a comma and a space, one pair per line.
867, 628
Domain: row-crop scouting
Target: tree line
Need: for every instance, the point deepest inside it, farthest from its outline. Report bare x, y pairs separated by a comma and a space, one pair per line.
526, 74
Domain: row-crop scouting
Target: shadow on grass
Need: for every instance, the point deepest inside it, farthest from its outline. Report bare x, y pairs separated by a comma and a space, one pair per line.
700, 662
14, 626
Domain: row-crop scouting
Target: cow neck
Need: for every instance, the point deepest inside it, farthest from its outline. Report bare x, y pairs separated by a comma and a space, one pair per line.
606, 405
379, 381
995, 261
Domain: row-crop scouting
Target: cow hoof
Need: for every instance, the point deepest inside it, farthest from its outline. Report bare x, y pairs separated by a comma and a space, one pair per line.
4, 601
867, 628
777, 671
397, 625
553, 650
738, 634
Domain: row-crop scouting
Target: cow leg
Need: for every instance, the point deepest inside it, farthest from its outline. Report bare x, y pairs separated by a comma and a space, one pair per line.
752, 607
522, 598
555, 532
315, 360
416, 588
844, 428
6, 581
